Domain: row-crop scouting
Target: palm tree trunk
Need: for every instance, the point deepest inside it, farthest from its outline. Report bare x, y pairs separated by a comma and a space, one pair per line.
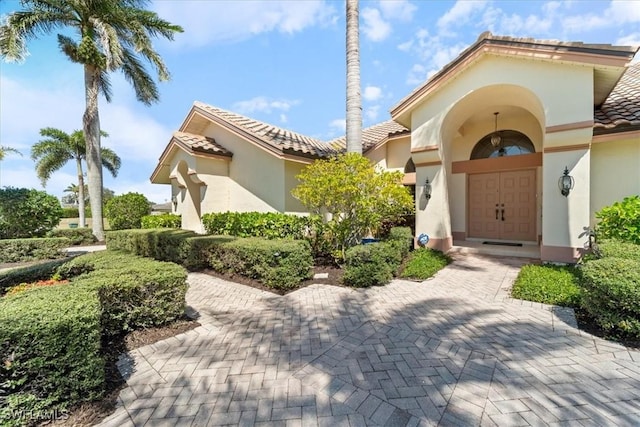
83, 222
91, 127
354, 102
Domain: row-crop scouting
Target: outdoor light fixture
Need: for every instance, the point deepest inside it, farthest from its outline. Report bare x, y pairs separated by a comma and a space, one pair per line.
174, 200
495, 138
565, 183
427, 189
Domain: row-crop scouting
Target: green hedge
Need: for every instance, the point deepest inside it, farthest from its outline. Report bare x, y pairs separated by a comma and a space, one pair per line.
166, 220
77, 236
33, 249
279, 264
269, 225
424, 263
618, 249
548, 284
50, 337
611, 294
28, 274
620, 221
75, 212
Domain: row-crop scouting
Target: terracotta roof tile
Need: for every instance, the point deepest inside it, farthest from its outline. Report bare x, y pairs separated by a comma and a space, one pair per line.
373, 135
201, 144
622, 106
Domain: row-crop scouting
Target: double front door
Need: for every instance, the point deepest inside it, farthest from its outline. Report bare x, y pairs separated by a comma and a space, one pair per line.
502, 205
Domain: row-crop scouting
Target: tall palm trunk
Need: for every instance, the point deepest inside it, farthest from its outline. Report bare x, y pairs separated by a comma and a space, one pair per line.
83, 221
354, 102
91, 127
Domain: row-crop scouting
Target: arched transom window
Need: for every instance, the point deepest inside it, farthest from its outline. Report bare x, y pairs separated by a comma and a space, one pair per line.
512, 143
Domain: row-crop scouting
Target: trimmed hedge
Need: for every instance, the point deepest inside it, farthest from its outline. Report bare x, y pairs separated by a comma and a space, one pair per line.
33, 249
278, 264
270, 225
166, 220
618, 249
28, 274
77, 236
611, 294
50, 337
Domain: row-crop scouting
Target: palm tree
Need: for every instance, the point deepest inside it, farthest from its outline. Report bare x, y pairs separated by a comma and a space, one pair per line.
110, 35
354, 101
4, 150
58, 148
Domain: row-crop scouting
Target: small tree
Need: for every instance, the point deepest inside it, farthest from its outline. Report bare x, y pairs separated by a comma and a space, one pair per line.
27, 213
357, 195
620, 221
126, 211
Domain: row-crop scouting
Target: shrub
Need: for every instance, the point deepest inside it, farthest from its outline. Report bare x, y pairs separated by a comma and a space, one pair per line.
126, 211
77, 236
618, 249
424, 263
270, 225
548, 284
50, 337
278, 264
611, 295
403, 235
367, 265
21, 250
27, 213
27, 274
620, 221
75, 213
166, 220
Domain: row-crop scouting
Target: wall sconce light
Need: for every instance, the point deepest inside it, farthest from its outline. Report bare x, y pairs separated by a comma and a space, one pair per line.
174, 200
427, 189
566, 182
495, 138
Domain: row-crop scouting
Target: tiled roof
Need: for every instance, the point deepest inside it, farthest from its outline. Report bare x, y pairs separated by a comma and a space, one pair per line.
201, 144
622, 107
373, 135
273, 136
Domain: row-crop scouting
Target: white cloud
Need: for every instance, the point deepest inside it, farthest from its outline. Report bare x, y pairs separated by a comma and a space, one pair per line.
417, 74
401, 10
207, 22
371, 113
461, 13
618, 13
372, 93
373, 26
338, 125
632, 39
283, 118
406, 46
263, 104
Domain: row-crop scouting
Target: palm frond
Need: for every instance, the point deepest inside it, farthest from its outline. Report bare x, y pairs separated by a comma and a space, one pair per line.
135, 73
110, 161
104, 85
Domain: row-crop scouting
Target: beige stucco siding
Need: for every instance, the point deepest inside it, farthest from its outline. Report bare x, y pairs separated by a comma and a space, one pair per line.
214, 173
615, 172
398, 153
292, 169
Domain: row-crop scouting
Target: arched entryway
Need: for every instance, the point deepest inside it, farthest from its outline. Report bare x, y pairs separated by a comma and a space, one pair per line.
501, 192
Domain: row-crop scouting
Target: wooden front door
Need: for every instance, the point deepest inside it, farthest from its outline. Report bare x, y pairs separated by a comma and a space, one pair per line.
502, 205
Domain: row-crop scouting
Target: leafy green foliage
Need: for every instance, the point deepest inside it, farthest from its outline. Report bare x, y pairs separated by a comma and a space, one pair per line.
424, 263
166, 220
27, 213
76, 236
279, 264
367, 265
270, 225
27, 274
126, 211
358, 197
618, 249
22, 250
548, 284
611, 294
50, 337
620, 221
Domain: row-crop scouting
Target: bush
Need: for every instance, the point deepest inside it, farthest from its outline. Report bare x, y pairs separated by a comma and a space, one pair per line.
50, 337
620, 221
28, 274
548, 284
278, 264
27, 213
618, 249
367, 265
77, 236
75, 213
22, 250
126, 211
611, 295
166, 220
424, 263
270, 225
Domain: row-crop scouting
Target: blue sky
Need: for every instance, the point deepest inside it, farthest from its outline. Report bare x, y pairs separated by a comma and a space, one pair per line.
281, 62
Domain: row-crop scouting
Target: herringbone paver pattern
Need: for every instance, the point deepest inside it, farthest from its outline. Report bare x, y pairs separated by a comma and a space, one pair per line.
454, 350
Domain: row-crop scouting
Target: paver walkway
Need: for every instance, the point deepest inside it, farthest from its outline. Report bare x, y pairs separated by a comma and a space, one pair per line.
453, 350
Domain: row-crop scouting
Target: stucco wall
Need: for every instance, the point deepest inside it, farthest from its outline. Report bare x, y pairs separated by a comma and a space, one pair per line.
615, 172
398, 153
292, 169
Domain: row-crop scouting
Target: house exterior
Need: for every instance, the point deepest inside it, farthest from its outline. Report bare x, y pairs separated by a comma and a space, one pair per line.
493, 132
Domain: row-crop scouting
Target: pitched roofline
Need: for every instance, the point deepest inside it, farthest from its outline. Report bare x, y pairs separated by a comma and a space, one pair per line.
541, 49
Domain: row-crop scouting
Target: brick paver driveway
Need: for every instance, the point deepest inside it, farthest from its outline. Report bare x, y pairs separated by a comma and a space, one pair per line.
453, 350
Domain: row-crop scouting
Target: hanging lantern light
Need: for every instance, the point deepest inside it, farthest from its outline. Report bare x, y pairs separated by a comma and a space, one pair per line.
495, 138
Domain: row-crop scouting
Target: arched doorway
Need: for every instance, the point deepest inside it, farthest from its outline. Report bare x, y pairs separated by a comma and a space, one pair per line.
502, 199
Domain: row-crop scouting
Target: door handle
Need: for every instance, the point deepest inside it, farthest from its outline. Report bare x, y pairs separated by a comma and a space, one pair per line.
503, 211
497, 211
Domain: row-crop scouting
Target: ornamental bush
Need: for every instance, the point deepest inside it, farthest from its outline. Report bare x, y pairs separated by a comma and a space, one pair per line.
618, 249
22, 250
28, 274
270, 225
126, 211
27, 213
620, 221
368, 265
166, 220
76, 236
